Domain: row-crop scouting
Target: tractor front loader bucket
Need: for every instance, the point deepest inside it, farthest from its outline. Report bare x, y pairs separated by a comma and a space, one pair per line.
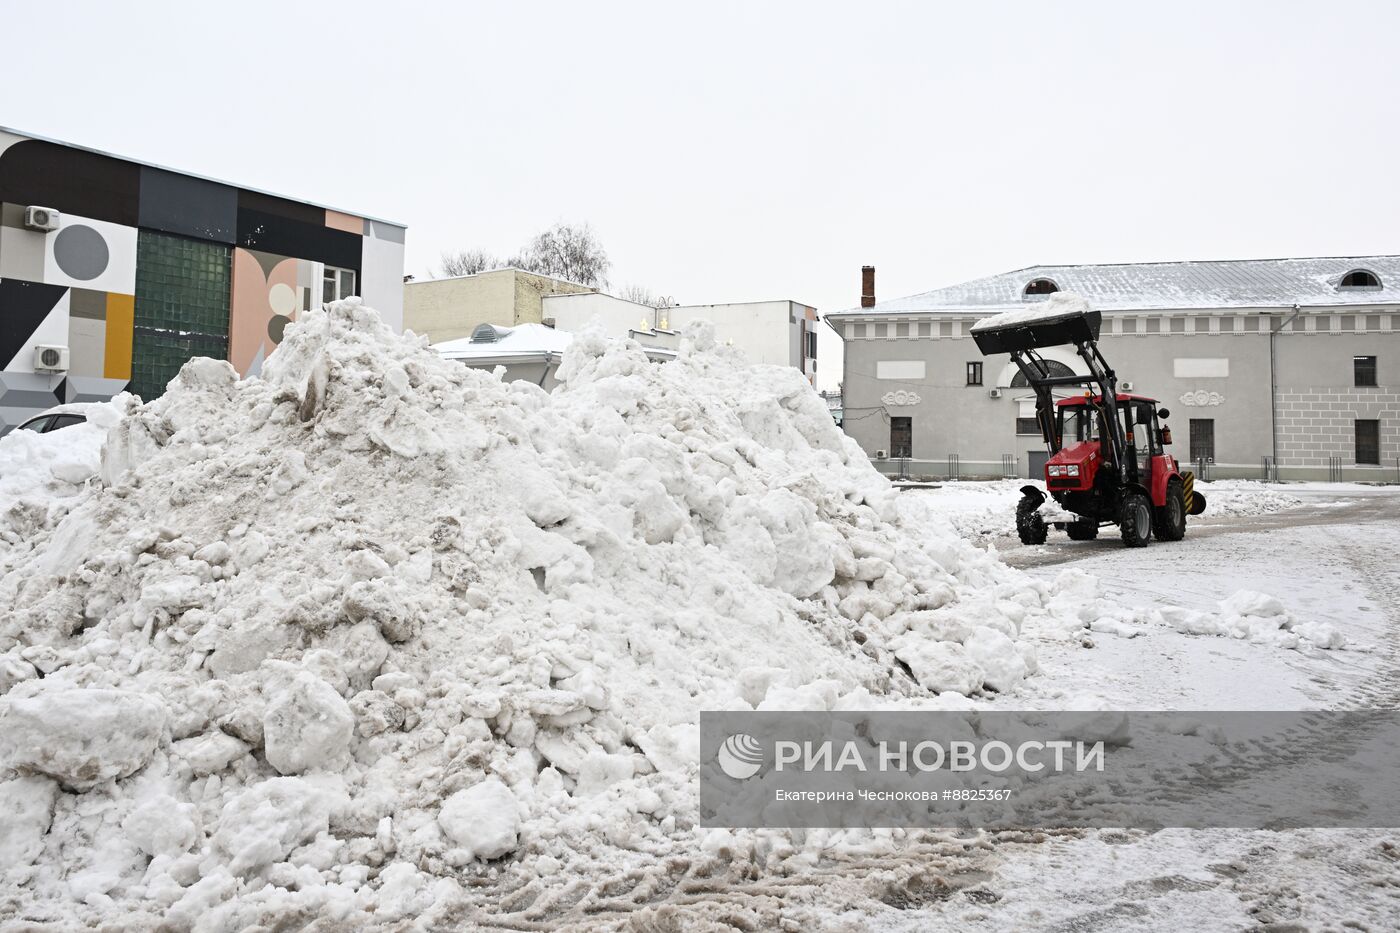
1030, 330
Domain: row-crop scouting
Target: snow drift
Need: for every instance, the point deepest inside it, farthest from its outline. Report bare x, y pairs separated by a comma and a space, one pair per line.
339, 638
41, 475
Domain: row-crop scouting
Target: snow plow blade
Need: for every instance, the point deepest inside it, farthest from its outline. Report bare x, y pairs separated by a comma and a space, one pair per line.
1024, 330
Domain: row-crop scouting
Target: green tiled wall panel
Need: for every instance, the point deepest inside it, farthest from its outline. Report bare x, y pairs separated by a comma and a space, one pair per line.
182, 307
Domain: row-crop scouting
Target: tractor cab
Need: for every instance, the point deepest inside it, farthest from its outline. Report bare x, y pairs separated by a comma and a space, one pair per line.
1107, 461
1084, 445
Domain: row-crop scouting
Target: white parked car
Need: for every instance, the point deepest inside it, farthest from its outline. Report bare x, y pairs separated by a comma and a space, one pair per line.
60, 416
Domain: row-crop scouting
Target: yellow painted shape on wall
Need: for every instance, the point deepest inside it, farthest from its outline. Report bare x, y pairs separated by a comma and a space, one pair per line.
121, 317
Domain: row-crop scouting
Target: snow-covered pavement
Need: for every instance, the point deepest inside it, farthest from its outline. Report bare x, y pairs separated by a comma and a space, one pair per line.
1329, 559
1326, 564
986, 510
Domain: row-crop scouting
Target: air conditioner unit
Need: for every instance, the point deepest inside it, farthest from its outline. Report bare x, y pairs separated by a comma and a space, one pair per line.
882, 455
41, 218
50, 359
995, 393
1126, 386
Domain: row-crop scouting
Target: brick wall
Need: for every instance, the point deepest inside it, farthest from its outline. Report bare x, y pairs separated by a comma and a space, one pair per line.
1317, 423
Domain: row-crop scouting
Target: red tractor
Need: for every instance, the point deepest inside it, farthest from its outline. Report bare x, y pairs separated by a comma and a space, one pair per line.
1107, 462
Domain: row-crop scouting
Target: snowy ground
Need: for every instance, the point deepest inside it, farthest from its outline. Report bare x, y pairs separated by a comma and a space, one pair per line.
1329, 559
987, 509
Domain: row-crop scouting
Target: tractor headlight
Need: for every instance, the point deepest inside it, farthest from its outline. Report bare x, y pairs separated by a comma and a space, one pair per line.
1072, 470
1056, 471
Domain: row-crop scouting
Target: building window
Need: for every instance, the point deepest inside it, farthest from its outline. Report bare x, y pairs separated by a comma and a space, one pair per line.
338, 283
901, 437
1360, 278
974, 373
1202, 440
1364, 369
1040, 287
1052, 368
1027, 426
1368, 441
811, 345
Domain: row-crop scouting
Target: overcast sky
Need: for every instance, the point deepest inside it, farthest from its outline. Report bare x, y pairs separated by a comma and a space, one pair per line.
742, 151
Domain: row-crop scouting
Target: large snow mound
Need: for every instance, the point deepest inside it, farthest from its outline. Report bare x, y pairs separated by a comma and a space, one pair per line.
344, 637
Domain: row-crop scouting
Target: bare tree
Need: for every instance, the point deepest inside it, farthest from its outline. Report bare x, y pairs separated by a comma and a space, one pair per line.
567, 251
468, 262
645, 296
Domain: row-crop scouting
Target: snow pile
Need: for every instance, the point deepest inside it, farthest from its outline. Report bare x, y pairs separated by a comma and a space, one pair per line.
334, 639
1059, 306
1255, 617
81, 737
987, 509
1244, 497
41, 474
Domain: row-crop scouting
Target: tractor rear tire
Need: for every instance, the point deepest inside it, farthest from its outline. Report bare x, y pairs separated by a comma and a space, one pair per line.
1030, 527
1086, 529
1169, 521
1135, 519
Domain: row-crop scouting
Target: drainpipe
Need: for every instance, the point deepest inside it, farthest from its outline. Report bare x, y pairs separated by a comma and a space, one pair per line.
1273, 383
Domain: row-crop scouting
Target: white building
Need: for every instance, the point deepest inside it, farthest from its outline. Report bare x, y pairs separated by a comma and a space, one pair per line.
781, 333
1279, 366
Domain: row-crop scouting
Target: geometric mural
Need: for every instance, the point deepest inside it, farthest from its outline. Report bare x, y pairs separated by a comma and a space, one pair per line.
268, 293
96, 328
27, 305
76, 286
88, 253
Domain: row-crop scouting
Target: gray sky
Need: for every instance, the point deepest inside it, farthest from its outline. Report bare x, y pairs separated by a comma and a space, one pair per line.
740, 151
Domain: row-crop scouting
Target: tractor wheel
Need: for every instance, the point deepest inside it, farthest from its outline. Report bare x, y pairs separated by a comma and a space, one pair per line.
1086, 529
1135, 519
1169, 521
1030, 527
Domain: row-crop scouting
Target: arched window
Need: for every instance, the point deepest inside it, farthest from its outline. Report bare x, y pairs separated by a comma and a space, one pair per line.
1053, 367
1360, 278
1040, 287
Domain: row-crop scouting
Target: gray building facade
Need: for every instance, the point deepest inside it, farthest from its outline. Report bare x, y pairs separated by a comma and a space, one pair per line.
1288, 368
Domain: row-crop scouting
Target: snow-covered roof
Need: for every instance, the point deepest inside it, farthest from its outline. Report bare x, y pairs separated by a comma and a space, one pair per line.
529, 343
522, 339
1143, 286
